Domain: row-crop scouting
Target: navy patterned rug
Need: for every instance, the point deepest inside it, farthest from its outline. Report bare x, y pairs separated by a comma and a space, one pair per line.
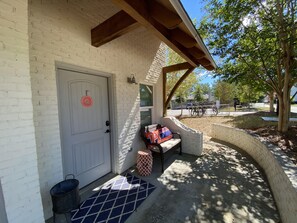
114, 202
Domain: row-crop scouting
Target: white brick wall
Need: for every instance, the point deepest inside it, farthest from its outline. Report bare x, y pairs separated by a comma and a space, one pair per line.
18, 158
280, 171
192, 140
60, 31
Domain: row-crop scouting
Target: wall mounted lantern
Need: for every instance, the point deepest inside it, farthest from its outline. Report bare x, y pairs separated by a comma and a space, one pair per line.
131, 79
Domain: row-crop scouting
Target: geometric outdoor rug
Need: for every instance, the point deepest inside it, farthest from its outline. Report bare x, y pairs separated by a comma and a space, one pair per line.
114, 202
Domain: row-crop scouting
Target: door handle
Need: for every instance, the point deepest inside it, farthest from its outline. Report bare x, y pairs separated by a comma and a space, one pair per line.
107, 131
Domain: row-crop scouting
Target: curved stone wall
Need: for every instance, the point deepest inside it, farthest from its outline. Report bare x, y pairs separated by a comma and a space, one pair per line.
192, 140
280, 171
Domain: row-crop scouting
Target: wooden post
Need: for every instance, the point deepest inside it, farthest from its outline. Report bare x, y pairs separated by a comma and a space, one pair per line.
178, 83
164, 92
176, 67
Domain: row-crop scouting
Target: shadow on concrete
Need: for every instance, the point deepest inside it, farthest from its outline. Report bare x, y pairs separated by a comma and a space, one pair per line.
223, 185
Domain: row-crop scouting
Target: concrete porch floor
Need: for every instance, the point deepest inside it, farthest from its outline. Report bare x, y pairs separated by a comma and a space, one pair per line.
224, 185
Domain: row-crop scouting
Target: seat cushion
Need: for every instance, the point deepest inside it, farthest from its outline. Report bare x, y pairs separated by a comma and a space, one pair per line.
166, 145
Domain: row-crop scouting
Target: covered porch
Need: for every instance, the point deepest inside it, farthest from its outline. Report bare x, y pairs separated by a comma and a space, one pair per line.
218, 187
49, 44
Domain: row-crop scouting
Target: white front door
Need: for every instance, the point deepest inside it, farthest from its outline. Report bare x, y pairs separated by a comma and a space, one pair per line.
83, 110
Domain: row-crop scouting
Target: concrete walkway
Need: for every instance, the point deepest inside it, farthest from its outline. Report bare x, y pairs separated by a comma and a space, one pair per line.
186, 112
224, 185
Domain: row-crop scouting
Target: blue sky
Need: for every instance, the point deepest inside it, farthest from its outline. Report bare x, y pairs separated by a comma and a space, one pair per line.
195, 9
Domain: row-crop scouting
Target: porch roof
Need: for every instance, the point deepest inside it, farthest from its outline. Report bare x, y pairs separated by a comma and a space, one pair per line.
167, 19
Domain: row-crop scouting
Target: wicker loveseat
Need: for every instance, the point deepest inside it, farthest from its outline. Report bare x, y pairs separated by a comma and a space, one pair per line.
162, 143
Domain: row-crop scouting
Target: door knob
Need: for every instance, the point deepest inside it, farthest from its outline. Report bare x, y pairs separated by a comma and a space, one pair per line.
107, 131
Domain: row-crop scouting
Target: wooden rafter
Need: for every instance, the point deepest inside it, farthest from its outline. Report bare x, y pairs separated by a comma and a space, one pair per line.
164, 16
117, 25
209, 67
196, 52
140, 11
172, 68
205, 62
165, 23
177, 67
183, 38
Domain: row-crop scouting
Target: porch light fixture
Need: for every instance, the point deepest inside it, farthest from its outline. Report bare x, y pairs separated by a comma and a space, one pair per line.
131, 79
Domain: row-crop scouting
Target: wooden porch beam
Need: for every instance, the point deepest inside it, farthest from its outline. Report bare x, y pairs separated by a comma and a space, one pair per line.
183, 38
177, 67
164, 92
178, 83
197, 53
204, 62
168, 69
112, 28
164, 16
209, 67
140, 11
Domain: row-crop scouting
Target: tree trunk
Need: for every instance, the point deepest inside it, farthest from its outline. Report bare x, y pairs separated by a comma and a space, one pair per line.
181, 109
271, 101
284, 112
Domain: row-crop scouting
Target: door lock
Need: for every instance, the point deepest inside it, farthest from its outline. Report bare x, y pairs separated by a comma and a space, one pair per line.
107, 123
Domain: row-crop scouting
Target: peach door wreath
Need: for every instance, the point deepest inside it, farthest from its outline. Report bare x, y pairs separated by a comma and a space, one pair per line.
144, 162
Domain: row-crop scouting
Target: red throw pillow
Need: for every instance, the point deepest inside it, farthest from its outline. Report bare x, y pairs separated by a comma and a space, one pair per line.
153, 136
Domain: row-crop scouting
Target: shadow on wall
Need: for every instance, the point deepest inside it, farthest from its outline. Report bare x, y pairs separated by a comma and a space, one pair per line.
3, 216
221, 186
129, 140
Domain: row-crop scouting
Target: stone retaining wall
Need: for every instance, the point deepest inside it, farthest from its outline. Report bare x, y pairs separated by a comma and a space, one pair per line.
280, 171
192, 140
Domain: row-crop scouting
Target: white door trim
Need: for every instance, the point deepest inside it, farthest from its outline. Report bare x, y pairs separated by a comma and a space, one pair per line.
114, 152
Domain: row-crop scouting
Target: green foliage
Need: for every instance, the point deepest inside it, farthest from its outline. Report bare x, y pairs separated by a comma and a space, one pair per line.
246, 36
256, 41
247, 94
201, 90
224, 91
198, 94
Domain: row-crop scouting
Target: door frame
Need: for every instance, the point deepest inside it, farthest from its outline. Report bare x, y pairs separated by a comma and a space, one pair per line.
111, 107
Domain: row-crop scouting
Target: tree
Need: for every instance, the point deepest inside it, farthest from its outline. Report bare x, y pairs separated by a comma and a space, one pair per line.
256, 41
224, 91
246, 93
198, 94
201, 90
246, 82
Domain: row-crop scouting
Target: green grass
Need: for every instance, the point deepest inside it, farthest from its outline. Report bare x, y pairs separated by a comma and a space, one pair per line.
254, 121
250, 121
231, 109
266, 109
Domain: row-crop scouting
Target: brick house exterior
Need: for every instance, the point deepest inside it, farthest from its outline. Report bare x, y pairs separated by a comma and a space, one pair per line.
36, 37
